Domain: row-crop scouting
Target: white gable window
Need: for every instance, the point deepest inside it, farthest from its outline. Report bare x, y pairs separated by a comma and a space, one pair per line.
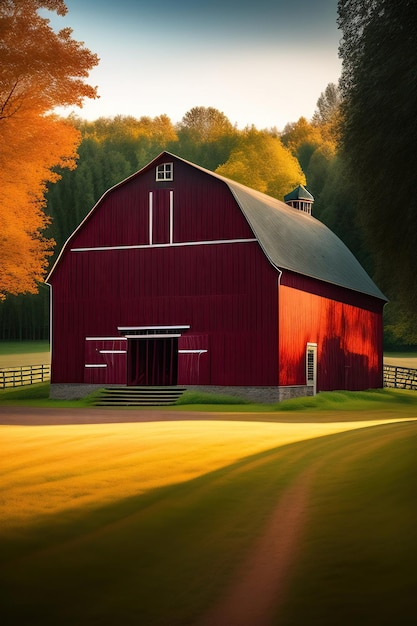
165, 171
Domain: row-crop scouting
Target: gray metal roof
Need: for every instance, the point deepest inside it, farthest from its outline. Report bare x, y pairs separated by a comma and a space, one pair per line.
293, 240
299, 193
296, 241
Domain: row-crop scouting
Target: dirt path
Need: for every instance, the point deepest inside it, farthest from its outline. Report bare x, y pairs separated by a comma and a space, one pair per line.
37, 416
257, 592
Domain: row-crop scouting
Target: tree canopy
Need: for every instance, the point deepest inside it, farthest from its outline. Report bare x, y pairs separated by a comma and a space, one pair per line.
205, 136
205, 124
40, 70
379, 130
113, 148
262, 162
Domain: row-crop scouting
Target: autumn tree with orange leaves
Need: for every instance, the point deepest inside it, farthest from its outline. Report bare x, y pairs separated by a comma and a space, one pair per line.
39, 70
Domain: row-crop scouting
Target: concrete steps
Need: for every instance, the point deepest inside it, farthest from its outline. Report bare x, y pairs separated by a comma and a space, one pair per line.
139, 396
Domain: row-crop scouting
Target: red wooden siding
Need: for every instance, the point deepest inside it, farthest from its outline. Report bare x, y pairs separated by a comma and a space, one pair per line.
122, 218
203, 210
105, 361
348, 337
333, 292
225, 291
161, 216
194, 360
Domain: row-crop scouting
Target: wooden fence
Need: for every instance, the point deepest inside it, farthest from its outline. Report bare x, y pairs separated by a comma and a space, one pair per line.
400, 377
394, 376
24, 375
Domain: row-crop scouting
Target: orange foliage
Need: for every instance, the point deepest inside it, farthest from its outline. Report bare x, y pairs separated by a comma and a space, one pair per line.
40, 70
30, 147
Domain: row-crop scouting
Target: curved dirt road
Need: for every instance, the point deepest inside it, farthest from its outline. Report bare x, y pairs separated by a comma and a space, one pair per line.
39, 416
254, 597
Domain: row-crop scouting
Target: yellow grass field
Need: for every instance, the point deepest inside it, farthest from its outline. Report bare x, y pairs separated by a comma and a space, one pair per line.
18, 360
401, 361
51, 469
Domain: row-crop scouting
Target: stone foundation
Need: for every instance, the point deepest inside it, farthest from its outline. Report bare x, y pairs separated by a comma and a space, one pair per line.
60, 391
257, 394
73, 391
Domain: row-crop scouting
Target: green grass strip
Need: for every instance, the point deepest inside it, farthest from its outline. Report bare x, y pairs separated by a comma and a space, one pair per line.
392, 401
23, 347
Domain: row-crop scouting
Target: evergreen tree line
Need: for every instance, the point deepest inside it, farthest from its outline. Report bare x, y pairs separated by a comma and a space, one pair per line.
273, 162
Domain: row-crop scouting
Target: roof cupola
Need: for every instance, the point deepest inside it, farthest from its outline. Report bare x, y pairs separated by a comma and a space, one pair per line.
300, 199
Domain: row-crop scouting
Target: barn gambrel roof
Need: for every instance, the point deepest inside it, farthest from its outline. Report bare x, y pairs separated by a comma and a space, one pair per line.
293, 240
298, 242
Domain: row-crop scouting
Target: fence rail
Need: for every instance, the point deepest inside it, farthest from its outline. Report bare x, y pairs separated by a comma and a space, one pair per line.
394, 376
400, 377
24, 375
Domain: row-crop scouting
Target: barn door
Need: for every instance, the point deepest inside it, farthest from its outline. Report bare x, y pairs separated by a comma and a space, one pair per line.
311, 366
152, 362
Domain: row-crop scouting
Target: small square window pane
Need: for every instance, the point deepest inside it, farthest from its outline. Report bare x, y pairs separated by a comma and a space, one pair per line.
164, 171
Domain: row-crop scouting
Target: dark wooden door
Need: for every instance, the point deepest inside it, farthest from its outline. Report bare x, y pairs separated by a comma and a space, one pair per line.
153, 362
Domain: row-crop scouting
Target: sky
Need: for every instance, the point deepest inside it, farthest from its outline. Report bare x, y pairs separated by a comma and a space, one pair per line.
264, 62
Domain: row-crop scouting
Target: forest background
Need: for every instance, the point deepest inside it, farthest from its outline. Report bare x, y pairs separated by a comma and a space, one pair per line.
322, 153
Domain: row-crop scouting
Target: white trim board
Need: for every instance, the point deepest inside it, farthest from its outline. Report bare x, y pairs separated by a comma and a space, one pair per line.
164, 245
192, 351
95, 365
180, 327
105, 338
156, 336
112, 351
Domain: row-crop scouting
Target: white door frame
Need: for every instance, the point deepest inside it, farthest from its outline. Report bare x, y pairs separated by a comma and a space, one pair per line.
311, 366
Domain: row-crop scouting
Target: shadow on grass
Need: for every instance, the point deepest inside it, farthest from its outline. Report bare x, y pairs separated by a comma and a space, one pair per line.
161, 557
359, 553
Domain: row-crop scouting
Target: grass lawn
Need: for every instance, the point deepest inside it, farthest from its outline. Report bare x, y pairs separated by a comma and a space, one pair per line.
145, 523
17, 353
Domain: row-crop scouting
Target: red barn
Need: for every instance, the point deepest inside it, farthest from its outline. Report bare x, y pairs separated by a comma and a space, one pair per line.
181, 276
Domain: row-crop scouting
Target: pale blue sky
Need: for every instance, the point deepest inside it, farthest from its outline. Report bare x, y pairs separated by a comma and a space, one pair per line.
263, 63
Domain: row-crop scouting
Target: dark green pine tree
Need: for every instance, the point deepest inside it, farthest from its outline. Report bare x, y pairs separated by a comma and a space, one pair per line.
379, 133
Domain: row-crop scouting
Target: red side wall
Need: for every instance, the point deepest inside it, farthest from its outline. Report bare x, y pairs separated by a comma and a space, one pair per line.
347, 328
226, 292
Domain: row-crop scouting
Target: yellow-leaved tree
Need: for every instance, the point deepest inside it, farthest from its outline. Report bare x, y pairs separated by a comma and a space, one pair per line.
40, 70
261, 161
